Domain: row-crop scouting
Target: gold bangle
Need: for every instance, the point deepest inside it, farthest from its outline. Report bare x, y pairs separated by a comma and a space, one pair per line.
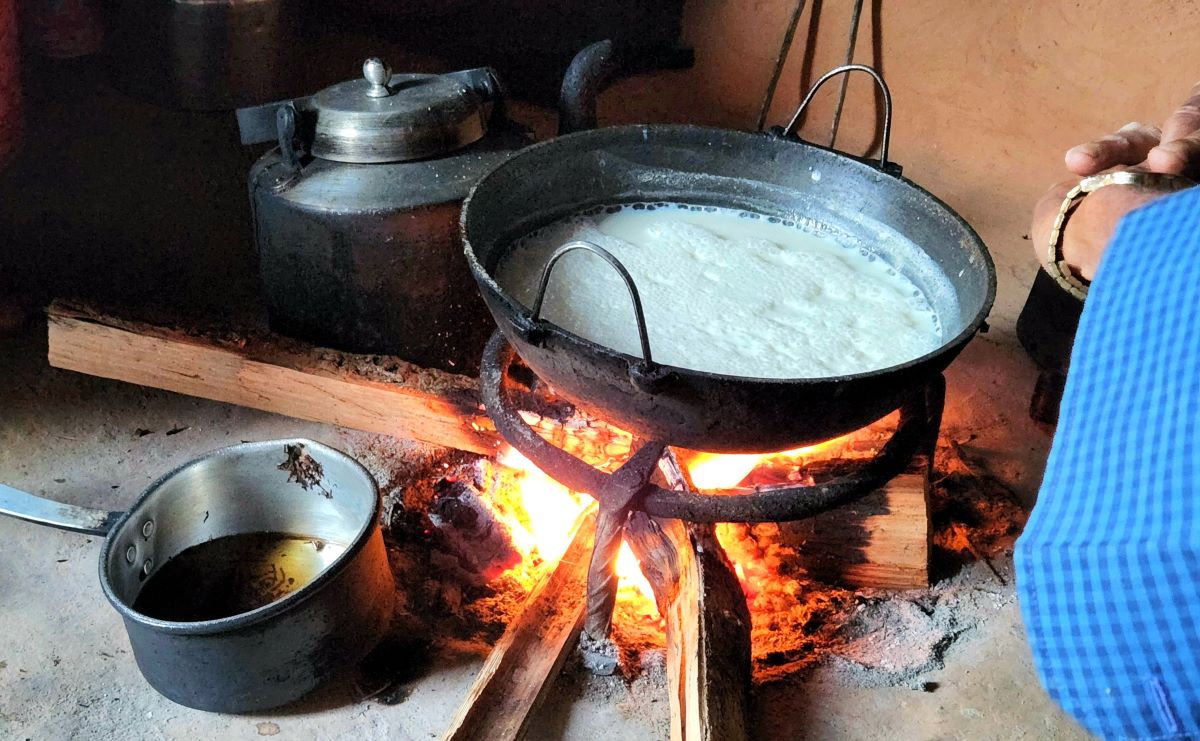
1055, 264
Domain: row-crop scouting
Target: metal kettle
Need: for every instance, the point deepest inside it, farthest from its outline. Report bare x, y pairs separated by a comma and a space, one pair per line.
356, 211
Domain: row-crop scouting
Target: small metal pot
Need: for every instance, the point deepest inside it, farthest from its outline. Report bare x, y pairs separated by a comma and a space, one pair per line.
271, 655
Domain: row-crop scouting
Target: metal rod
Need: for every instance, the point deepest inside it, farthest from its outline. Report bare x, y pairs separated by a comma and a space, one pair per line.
773, 505
784, 48
617, 497
850, 44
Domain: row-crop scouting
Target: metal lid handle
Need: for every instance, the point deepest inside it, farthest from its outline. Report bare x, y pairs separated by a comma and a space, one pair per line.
377, 75
845, 70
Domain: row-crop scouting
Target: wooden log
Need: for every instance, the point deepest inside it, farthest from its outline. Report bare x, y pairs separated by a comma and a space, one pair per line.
881, 541
708, 627
524, 663
264, 371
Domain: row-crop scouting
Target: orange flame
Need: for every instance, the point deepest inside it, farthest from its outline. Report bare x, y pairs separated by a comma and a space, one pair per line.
725, 471
541, 512
551, 509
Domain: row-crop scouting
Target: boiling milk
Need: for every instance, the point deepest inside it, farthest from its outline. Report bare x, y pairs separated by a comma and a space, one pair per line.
726, 291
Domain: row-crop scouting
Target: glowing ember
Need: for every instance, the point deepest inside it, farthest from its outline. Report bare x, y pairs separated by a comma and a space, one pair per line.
541, 522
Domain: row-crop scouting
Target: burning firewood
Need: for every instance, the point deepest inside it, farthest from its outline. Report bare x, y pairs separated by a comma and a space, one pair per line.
471, 529
708, 620
708, 627
524, 663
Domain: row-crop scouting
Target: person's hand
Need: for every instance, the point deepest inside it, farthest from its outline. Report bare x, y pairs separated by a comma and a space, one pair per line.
1173, 150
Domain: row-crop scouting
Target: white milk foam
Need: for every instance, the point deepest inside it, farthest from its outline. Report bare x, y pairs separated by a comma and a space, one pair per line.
726, 291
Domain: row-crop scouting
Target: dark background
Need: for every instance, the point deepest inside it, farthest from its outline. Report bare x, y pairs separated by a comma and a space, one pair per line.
114, 197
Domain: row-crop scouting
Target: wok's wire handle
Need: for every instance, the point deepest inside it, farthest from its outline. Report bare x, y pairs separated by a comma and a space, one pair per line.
608, 257
846, 69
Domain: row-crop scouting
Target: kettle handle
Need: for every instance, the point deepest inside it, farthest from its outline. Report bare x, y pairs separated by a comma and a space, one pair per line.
285, 130
259, 124
592, 69
485, 83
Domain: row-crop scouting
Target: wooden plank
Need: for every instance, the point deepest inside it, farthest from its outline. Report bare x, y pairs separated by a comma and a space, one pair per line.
262, 371
708, 627
882, 540
524, 663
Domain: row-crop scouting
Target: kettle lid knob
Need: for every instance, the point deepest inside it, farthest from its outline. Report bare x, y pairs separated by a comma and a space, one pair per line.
377, 74
384, 117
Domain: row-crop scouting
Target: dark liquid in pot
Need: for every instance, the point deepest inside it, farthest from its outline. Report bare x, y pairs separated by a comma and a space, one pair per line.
234, 574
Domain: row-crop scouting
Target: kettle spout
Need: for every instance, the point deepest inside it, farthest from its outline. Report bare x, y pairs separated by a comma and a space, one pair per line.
592, 69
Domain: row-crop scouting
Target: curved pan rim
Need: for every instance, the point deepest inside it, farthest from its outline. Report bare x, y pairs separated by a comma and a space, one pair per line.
516, 308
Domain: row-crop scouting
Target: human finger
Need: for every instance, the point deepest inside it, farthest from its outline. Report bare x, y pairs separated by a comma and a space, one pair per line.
1177, 157
1185, 121
1127, 146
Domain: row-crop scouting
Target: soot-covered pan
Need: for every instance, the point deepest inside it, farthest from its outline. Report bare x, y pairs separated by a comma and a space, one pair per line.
865, 204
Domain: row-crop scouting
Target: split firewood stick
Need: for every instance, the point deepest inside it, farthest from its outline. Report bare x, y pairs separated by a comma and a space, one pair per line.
708, 627
708, 621
602, 583
716, 690
524, 663
616, 497
655, 545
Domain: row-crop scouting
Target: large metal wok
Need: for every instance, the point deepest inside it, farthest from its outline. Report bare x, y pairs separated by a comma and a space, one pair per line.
866, 203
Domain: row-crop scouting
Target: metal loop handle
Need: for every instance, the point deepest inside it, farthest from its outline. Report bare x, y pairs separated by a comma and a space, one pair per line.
845, 70
639, 315
285, 124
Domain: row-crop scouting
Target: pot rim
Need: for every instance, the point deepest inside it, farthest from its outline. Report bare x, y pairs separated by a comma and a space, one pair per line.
271, 609
485, 278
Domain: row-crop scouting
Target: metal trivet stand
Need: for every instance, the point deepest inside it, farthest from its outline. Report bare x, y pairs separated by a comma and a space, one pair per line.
630, 489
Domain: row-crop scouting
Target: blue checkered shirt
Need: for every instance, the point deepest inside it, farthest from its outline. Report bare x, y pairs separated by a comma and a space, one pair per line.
1108, 569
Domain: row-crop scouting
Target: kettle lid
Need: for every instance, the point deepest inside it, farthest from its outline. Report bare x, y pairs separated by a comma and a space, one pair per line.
392, 118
